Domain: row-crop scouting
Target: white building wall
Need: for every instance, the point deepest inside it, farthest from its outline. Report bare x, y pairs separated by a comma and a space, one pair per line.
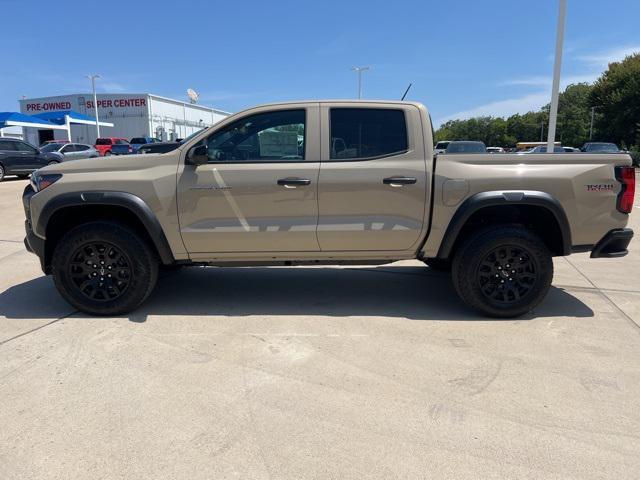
133, 115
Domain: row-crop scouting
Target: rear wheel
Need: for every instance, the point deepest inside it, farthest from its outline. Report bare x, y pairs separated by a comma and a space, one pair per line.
104, 268
1, 172
53, 162
107, 153
503, 271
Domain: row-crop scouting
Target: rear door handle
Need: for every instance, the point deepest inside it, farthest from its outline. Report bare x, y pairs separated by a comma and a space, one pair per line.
293, 182
399, 181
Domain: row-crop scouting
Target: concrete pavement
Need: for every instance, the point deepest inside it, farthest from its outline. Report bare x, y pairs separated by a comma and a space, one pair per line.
372, 372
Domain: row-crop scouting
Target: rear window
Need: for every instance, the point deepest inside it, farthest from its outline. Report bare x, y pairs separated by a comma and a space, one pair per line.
103, 141
367, 132
139, 140
442, 145
466, 147
120, 141
8, 146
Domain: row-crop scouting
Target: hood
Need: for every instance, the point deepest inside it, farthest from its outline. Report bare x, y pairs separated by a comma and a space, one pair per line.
113, 162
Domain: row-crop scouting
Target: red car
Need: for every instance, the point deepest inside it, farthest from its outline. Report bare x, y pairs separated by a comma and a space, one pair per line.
103, 144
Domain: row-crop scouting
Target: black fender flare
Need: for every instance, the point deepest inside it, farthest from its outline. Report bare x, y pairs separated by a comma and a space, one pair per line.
131, 202
497, 198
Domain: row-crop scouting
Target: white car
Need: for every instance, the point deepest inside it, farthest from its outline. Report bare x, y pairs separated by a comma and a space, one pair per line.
441, 147
495, 150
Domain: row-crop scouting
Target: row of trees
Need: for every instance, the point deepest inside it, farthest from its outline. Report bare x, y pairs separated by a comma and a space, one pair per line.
614, 98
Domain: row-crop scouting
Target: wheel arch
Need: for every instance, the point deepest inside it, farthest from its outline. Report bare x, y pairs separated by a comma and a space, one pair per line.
71, 209
540, 211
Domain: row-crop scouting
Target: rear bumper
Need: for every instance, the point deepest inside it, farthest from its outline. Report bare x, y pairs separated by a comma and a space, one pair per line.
613, 244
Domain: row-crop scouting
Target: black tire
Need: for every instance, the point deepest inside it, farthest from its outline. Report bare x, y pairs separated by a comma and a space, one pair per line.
53, 162
439, 264
502, 272
2, 172
122, 277
107, 153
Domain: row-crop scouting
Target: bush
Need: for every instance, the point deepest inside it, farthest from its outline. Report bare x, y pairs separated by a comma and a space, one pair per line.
635, 155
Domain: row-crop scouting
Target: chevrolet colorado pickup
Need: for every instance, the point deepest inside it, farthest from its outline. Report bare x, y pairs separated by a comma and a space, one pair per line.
325, 182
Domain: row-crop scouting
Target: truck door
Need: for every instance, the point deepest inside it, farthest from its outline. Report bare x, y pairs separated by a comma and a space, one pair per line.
258, 192
373, 177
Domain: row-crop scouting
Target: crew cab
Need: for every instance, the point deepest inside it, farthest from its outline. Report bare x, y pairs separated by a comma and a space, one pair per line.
325, 182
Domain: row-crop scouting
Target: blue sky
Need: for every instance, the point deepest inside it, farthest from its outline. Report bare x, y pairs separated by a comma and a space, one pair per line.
465, 57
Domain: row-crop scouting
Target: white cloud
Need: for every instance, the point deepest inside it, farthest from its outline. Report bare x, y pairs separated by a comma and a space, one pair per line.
603, 58
542, 81
501, 108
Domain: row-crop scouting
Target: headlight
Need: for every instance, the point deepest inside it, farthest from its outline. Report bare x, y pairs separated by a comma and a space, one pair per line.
40, 181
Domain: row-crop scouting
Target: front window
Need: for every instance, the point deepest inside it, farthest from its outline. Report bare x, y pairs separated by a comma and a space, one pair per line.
25, 147
51, 147
367, 132
103, 141
270, 136
121, 141
139, 141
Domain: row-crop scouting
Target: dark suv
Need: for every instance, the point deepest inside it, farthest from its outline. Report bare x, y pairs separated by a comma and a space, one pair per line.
21, 158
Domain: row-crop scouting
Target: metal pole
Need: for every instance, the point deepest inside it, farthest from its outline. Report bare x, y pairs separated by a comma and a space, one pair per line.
95, 101
360, 70
555, 88
593, 111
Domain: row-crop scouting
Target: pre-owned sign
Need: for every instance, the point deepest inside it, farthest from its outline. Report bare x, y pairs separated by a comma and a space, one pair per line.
46, 106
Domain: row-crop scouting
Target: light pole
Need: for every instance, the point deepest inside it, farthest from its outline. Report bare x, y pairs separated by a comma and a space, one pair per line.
555, 88
360, 70
95, 101
593, 113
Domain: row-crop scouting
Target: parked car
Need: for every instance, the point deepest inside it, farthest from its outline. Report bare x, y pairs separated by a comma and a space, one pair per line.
570, 149
495, 150
246, 196
543, 149
600, 147
165, 147
21, 158
121, 148
441, 147
104, 144
466, 147
137, 142
72, 151
54, 141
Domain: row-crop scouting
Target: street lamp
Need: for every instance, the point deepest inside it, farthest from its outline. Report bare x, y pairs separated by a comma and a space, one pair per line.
360, 70
95, 100
555, 88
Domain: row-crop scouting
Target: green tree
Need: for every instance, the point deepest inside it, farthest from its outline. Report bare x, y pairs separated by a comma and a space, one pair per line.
616, 98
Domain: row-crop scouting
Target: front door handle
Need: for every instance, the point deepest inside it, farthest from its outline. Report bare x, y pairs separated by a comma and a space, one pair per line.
293, 182
399, 181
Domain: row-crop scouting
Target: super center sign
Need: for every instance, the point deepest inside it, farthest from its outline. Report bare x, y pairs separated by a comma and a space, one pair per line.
105, 103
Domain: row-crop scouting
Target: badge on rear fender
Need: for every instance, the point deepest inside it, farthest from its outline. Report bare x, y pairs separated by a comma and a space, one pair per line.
600, 187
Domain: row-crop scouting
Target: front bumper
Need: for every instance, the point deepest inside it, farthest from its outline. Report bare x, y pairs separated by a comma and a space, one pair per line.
32, 242
613, 244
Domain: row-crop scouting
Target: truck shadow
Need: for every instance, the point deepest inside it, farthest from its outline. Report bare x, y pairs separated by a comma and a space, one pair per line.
407, 292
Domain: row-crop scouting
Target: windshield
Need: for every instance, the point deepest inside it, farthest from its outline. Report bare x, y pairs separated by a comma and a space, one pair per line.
602, 147
51, 147
139, 140
466, 147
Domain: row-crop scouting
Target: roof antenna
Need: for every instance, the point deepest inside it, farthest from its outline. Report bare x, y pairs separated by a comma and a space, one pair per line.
406, 91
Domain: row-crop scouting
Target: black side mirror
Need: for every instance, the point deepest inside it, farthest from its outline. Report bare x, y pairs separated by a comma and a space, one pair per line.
198, 155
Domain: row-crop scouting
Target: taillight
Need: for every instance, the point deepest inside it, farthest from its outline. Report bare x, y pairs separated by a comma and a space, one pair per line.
130, 149
627, 177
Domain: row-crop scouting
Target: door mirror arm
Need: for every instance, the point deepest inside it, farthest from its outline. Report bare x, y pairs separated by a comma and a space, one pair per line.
198, 155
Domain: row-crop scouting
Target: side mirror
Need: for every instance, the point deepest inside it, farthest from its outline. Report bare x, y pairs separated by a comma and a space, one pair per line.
198, 155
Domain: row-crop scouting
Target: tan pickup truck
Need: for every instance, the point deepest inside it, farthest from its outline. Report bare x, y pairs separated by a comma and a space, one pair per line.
325, 182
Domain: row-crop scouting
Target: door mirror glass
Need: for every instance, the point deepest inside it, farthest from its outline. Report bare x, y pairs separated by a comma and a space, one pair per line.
198, 155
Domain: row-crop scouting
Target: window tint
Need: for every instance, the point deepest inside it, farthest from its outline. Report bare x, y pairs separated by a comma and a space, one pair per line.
367, 132
103, 141
277, 135
139, 140
121, 141
50, 147
82, 148
7, 146
24, 147
68, 149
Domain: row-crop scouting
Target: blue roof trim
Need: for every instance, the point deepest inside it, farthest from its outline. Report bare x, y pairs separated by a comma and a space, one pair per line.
58, 116
21, 117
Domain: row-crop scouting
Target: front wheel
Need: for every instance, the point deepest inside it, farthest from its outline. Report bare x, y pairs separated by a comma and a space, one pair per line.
104, 268
107, 153
52, 162
1, 173
503, 271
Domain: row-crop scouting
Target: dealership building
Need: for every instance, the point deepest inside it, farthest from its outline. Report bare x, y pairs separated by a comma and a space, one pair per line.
132, 115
